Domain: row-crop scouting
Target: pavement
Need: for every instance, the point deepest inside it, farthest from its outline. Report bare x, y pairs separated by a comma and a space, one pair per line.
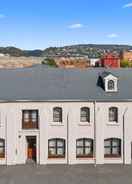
63, 174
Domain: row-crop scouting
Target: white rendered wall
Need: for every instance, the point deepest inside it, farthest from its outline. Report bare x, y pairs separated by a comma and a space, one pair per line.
16, 148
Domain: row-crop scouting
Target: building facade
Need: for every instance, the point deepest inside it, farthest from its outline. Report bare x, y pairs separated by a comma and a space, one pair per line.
90, 130
126, 55
111, 61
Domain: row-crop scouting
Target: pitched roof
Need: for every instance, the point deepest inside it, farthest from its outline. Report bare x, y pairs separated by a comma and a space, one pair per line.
105, 74
40, 83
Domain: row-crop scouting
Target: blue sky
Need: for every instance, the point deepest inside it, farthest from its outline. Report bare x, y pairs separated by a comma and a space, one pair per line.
31, 24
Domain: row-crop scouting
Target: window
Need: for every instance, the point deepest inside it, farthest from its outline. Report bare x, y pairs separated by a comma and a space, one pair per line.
57, 114
84, 148
56, 148
2, 148
85, 114
113, 114
112, 147
111, 85
30, 119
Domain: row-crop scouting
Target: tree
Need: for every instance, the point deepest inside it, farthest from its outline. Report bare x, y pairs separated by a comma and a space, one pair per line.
125, 63
50, 62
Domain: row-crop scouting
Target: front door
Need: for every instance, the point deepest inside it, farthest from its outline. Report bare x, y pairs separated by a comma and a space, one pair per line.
31, 148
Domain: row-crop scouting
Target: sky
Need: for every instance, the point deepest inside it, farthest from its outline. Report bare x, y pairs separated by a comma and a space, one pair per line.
38, 24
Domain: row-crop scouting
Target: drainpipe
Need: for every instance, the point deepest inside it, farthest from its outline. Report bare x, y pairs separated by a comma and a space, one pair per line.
94, 134
124, 134
38, 141
67, 138
6, 139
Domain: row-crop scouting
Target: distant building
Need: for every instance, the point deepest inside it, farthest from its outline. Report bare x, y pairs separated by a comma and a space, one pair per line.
126, 55
110, 60
2, 55
94, 61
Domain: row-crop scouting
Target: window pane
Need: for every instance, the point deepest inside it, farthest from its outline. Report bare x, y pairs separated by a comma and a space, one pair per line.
57, 114
87, 151
1, 151
1, 143
84, 118
115, 151
115, 143
80, 143
111, 84
84, 114
88, 143
79, 151
26, 115
52, 143
60, 143
113, 113
34, 115
60, 151
107, 151
52, 151
107, 143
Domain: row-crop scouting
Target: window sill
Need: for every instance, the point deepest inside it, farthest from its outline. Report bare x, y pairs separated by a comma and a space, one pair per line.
56, 124
2, 158
84, 157
56, 157
29, 130
84, 124
113, 123
112, 158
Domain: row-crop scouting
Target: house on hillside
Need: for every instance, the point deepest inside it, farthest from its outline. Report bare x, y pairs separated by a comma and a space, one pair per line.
110, 60
59, 116
127, 55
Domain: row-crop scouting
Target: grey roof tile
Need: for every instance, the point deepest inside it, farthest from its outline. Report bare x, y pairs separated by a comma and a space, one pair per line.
41, 83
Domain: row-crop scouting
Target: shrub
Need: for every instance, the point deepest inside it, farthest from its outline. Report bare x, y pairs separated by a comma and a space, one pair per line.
50, 62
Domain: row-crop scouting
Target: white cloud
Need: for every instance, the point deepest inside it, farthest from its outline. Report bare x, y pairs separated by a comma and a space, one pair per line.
129, 5
113, 35
2, 16
76, 26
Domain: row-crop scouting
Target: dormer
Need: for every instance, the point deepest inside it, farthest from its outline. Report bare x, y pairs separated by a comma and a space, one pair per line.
110, 82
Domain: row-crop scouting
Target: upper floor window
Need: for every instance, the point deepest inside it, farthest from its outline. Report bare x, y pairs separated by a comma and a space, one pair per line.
30, 119
56, 148
2, 148
112, 147
57, 114
85, 114
111, 85
113, 114
84, 148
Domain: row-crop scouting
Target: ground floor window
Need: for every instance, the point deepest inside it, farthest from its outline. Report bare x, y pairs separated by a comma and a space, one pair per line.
2, 148
56, 148
112, 147
84, 148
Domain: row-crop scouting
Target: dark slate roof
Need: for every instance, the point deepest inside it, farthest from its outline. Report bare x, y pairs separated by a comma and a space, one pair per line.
105, 74
40, 83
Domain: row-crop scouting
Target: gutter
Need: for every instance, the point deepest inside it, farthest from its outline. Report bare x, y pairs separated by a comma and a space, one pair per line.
70, 100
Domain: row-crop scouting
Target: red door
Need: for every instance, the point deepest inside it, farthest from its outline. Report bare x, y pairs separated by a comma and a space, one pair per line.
31, 149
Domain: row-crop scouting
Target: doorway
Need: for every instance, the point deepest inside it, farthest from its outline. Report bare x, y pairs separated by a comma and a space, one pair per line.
31, 148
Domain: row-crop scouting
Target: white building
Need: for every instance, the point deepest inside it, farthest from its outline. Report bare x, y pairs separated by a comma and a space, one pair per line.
56, 116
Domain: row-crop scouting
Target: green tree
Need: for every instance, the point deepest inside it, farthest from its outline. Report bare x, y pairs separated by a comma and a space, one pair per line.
50, 62
125, 64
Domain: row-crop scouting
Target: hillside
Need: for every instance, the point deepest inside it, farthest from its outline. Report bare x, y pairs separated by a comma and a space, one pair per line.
90, 50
